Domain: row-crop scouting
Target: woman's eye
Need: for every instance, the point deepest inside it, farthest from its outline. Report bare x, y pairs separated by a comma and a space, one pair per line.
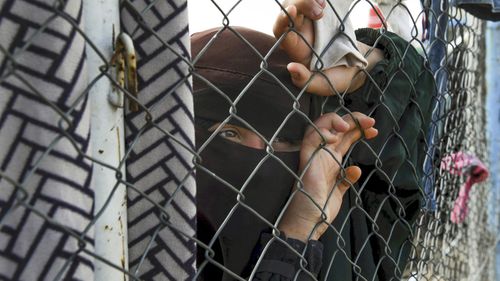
229, 134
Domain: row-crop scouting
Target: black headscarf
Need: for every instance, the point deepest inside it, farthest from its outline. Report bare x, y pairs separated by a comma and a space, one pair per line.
239, 187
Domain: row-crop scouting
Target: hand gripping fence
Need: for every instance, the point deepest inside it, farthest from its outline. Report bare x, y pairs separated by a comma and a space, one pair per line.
104, 157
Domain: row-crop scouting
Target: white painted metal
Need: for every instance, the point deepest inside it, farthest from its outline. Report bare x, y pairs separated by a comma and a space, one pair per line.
107, 140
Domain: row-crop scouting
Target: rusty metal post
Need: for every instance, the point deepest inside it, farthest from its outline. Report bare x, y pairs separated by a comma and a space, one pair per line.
107, 140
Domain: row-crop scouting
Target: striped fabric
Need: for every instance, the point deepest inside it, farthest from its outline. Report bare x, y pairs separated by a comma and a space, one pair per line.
46, 200
158, 165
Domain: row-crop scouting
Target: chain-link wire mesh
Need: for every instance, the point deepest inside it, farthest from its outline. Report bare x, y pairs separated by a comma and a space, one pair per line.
254, 173
447, 250
50, 220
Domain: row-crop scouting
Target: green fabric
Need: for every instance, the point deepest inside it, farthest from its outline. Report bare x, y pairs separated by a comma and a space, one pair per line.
377, 216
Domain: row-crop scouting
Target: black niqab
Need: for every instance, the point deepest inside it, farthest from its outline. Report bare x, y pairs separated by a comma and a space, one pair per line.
243, 89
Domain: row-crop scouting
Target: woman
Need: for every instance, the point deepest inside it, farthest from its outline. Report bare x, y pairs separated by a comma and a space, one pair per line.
263, 163
371, 238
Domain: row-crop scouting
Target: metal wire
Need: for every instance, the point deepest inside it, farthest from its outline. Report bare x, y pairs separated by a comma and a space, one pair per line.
436, 248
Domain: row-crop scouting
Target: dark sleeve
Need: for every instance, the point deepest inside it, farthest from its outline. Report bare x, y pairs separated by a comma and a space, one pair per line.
281, 263
398, 95
392, 181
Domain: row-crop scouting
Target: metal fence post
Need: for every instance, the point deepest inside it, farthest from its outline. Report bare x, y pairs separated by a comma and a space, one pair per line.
493, 110
107, 140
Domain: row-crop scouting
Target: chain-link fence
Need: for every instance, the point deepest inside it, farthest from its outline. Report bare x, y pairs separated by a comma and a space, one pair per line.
88, 116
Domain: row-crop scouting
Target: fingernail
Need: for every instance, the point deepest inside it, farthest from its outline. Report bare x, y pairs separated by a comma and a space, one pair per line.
320, 2
317, 11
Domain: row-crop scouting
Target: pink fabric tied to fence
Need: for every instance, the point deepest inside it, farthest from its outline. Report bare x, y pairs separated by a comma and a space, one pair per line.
462, 163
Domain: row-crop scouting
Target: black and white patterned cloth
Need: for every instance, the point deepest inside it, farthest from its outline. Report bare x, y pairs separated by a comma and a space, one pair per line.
46, 200
158, 165
44, 133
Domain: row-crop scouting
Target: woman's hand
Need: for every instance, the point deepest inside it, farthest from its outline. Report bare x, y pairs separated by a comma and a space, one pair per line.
298, 44
321, 174
300, 14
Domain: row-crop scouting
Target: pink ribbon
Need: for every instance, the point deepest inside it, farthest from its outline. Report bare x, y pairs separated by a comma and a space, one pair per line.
462, 163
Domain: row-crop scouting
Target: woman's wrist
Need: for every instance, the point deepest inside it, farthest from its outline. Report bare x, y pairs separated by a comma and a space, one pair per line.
280, 256
299, 229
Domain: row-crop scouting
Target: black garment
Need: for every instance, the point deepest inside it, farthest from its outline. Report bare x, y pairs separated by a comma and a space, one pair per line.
377, 216
235, 247
265, 194
281, 263
399, 99
233, 80
241, 190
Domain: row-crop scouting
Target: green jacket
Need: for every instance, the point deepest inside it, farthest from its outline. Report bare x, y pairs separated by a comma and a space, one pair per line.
377, 216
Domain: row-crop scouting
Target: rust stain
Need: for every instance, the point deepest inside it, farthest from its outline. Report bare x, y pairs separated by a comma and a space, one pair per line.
122, 258
119, 144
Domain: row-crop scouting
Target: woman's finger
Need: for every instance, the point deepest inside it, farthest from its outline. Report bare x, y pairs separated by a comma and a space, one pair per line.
328, 82
339, 131
316, 83
315, 138
312, 9
281, 24
351, 176
370, 133
331, 123
300, 75
356, 124
347, 139
357, 118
